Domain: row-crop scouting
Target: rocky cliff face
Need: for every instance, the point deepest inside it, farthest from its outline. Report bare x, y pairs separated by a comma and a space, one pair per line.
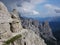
12, 32
46, 33
42, 29
30, 24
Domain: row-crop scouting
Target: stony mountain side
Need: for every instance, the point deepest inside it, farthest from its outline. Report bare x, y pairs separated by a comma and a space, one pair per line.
12, 32
30, 24
42, 29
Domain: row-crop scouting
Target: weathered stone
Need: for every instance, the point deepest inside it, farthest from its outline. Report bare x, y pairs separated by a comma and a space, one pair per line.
47, 30
29, 38
16, 23
32, 25
47, 34
3, 7
15, 14
4, 14
42, 29
5, 19
5, 30
10, 26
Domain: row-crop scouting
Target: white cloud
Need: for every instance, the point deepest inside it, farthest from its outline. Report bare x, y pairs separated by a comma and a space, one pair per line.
27, 11
35, 12
49, 6
28, 8
52, 10
37, 1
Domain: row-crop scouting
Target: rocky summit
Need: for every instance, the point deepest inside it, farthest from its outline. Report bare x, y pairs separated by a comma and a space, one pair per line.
12, 32
42, 29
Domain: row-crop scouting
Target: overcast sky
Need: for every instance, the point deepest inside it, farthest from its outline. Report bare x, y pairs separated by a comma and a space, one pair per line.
35, 8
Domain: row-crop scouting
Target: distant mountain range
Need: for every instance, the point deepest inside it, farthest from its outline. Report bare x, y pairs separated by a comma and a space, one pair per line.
54, 23
49, 19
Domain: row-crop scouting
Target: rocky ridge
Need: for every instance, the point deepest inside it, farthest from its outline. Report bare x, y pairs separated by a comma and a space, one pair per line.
12, 32
42, 29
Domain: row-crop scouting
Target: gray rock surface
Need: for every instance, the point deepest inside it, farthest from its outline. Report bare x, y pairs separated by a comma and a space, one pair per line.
32, 25
4, 14
16, 23
10, 26
5, 30
30, 38
5, 19
46, 33
42, 29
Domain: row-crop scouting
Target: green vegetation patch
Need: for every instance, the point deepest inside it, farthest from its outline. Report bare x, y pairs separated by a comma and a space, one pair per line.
12, 39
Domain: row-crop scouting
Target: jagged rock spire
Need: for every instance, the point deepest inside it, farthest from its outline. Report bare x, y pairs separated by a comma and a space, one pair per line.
16, 23
47, 34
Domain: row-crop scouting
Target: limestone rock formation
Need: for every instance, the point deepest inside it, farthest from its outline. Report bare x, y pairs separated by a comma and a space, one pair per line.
30, 24
4, 14
46, 33
29, 38
16, 23
11, 29
5, 19
42, 29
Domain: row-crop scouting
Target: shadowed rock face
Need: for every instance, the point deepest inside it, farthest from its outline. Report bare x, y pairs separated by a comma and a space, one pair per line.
47, 34
41, 29
10, 26
30, 24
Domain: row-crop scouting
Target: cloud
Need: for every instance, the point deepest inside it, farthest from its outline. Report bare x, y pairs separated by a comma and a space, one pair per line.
28, 8
37, 1
52, 10
25, 7
57, 10
27, 11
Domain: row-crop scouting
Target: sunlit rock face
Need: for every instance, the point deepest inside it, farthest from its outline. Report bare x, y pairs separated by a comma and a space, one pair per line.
4, 14
10, 26
29, 38
5, 19
16, 23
